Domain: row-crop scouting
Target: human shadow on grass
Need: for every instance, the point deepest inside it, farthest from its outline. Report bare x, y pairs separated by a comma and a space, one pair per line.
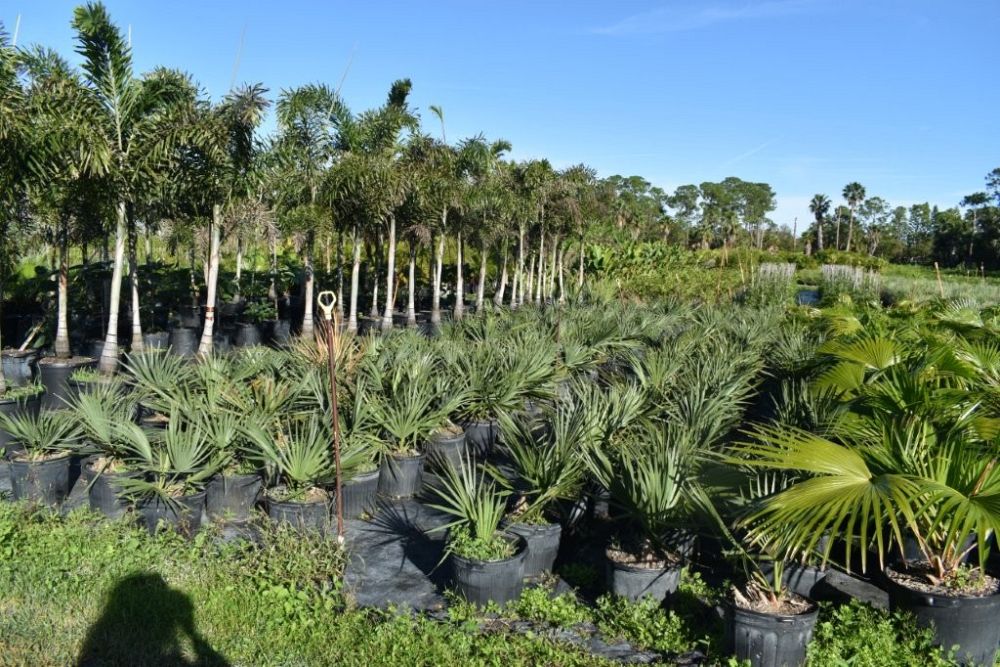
145, 622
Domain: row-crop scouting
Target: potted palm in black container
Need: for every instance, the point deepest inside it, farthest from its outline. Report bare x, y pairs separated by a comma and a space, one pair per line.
39, 452
500, 376
174, 464
100, 412
544, 454
296, 455
487, 563
23, 400
652, 478
884, 481
399, 387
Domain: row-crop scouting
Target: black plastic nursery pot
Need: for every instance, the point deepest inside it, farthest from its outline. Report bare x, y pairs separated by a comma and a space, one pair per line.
313, 516
446, 450
968, 623
279, 331
401, 475
104, 492
232, 497
481, 437
183, 341
156, 341
634, 582
247, 335
13, 407
361, 494
54, 374
41, 482
182, 514
19, 366
542, 542
499, 581
769, 640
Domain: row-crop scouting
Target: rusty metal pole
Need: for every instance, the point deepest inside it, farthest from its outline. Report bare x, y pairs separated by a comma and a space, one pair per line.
326, 301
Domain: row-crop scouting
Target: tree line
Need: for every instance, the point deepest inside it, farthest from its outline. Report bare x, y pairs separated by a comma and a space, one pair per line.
103, 158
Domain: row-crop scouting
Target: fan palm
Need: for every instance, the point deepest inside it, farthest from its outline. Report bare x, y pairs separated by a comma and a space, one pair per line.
819, 206
854, 193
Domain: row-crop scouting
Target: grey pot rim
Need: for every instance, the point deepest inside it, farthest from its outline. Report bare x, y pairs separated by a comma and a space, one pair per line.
813, 612
147, 502
40, 464
939, 599
362, 477
626, 567
24, 399
546, 528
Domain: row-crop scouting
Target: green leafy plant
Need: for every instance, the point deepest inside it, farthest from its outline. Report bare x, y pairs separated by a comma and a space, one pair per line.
470, 496
175, 461
49, 434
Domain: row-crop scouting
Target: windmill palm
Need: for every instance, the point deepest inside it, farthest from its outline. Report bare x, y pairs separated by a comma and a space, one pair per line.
819, 206
854, 193
141, 124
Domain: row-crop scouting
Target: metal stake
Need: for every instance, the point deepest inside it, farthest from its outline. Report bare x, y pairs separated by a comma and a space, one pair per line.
326, 301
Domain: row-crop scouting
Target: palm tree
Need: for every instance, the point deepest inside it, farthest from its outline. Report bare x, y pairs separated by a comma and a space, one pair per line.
854, 193
14, 170
141, 125
443, 190
819, 206
231, 181
306, 147
69, 151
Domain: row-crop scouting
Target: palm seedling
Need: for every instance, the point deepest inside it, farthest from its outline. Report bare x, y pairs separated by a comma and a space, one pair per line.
477, 505
40, 437
296, 455
545, 454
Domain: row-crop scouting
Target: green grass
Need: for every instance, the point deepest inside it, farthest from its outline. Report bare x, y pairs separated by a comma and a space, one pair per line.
81, 587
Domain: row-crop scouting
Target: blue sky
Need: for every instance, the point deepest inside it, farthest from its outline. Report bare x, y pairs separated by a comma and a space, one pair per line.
806, 95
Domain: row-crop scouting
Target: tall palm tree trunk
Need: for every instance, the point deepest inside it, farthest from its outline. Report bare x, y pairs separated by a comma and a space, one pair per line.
836, 235
438, 274
850, 231
390, 275
551, 291
541, 267
517, 291
109, 355
239, 259
531, 279
215, 236
308, 323
411, 304
579, 271
459, 285
340, 273
562, 286
133, 274
376, 268
62, 318
498, 296
352, 319
481, 287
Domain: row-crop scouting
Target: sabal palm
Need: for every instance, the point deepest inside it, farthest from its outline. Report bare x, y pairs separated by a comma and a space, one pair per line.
854, 193
819, 206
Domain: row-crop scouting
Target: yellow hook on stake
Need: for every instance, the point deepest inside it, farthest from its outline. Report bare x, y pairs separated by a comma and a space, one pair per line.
326, 301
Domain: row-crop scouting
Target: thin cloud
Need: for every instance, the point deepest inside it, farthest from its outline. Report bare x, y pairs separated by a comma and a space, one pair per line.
682, 18
743, 156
